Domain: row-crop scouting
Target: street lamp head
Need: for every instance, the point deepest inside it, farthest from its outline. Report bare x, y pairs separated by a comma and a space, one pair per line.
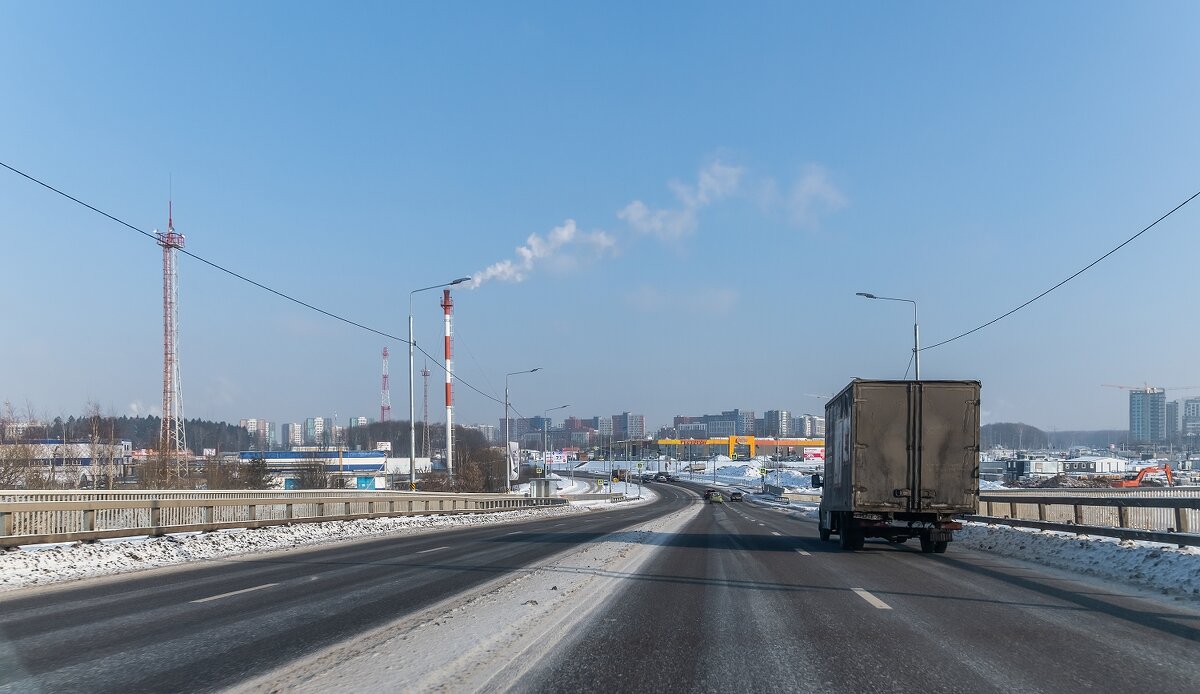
460, 280
864, 294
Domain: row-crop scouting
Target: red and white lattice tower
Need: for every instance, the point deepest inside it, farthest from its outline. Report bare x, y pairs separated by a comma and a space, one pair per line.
425, 414
448, 310
385, 392
172, 438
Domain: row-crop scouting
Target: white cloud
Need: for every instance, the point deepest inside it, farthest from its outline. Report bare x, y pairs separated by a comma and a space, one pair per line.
811, 196
554, 251
714, 182
806, 201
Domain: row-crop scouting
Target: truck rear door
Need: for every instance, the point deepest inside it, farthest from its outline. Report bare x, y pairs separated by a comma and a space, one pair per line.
881, 455
949, 448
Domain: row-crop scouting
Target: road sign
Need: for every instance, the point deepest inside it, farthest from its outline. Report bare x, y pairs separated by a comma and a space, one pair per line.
640, 466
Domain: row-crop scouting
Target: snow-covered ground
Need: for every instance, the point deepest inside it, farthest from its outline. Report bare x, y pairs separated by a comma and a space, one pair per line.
1164, 568
795, 476
1147, 565
1159, 567
44, 564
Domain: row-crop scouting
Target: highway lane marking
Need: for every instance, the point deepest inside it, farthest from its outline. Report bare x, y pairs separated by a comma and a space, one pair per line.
776, 534
871, 599
515, 532
800, 551
235, 592
427, 551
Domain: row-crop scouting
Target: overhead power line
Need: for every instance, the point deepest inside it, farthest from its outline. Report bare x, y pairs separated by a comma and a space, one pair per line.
260, 285
1068, 279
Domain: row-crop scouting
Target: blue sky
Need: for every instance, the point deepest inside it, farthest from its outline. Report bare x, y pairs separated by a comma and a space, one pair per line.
699, 190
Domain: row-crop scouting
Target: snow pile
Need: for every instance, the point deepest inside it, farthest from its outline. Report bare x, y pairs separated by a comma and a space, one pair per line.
1161, 567
43, 564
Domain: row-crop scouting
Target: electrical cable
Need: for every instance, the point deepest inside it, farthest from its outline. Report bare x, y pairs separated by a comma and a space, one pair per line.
1077, 273
243, 278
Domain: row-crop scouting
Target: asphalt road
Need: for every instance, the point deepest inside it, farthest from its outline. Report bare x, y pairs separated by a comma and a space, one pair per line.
202, 627
744, 598
747, 598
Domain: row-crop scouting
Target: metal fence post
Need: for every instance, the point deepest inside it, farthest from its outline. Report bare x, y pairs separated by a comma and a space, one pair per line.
155, 517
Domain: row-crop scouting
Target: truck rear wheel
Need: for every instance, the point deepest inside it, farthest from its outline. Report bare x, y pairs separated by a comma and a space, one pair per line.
939, 547
824, 533
851, 537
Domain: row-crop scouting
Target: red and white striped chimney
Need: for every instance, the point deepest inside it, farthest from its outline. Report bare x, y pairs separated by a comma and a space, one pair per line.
448, 310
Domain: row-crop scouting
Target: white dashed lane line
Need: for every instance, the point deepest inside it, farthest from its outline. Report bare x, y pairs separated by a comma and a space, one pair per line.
427, 551
235, 592
871, 599
802, 552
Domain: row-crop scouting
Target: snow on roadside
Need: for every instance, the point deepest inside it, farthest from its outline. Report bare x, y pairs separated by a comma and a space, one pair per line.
44, 564
1164, 568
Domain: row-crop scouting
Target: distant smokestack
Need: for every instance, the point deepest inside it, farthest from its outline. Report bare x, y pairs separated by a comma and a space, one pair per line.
448, 310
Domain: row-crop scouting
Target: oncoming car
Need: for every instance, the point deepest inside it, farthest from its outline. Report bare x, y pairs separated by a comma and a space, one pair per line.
735, 496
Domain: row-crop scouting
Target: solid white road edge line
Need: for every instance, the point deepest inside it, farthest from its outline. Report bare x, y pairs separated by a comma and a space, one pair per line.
874, 601
235, 592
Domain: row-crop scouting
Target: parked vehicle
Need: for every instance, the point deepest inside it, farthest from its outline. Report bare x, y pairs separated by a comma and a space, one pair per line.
735, 496
901, 461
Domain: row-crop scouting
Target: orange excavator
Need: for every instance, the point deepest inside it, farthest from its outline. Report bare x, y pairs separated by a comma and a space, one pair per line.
1137, 481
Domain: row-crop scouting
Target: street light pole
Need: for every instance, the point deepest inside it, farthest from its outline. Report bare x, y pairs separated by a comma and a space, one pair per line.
546, 436
916, 330
507, 455
412, 425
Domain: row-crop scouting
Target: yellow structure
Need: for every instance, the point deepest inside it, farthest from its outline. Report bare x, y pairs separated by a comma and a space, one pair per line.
752, 441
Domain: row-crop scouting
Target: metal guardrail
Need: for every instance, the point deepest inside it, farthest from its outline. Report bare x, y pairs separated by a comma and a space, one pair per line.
1171, 517
40, 521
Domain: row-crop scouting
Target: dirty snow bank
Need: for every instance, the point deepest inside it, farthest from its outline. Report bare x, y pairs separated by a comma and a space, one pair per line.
1164, 568
44, 564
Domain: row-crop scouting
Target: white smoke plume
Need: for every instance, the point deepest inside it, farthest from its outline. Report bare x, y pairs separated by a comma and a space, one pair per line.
555, 250
714, 182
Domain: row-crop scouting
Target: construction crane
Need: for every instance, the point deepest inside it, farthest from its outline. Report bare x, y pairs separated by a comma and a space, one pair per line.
1148, 388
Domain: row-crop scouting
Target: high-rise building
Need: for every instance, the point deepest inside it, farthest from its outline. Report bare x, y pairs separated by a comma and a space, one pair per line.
778, 423
808, 426
261, 432
627, 427
1173, 409
318, 431
1191, 419
1148, 415
293, 434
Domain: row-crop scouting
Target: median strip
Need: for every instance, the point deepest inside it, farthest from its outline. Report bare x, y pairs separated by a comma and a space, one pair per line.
235, 592
874, 601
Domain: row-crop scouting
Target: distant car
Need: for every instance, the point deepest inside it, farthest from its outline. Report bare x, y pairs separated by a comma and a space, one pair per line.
735, 496
708, 493
716, 498
660, 477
